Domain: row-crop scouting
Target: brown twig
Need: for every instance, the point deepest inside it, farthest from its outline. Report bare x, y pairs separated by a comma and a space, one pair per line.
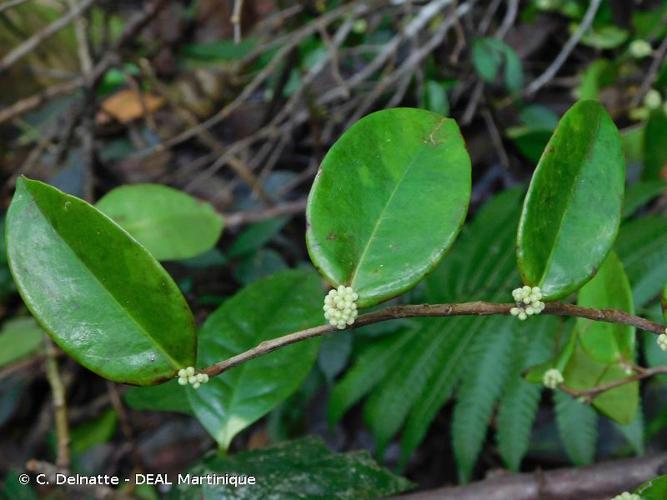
435, 310
59, 405
236, 20
569, 46
132, 28
595, 482
249, 217
590, 394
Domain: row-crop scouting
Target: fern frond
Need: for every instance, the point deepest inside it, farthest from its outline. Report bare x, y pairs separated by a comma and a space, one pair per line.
578, 428
372, 365
485, 374
520, 401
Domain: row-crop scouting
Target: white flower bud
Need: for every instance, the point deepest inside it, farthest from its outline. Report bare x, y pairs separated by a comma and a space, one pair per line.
662, 341
190, 376
652, 99
640, 49
340, 308
552, 378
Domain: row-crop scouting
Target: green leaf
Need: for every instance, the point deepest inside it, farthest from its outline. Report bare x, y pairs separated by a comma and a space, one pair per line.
97, 431
606, 37
164, 397
223, 50
486, 58
169, 223
302, 469
583, 372
640, 193
101, 296
577, 426
609, 289
572, 210
655, 147
435, 97
520, 401
642, 246
655, 489
365, 229
255, 236
283, 303
19, 338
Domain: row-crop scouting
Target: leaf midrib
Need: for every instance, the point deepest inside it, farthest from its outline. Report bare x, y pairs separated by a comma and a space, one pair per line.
570, 196
380, 218
140, 327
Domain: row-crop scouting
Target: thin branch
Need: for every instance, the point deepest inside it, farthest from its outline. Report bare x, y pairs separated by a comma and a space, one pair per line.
133, 26
26, 47
590, 394
569, 46
249, 217
59, 405
659, 56
594, 482
435, 310
236, 20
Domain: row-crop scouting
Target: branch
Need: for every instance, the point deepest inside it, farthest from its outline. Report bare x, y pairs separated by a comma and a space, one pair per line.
30, 44
595, 482
59, 405
435, 310
569, 46
590, 394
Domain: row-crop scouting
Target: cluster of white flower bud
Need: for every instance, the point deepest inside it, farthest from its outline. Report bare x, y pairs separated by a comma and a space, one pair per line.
528, 302
662, 340
652, 99
552, 378
627, 496
340, 306
640, 49
188, 376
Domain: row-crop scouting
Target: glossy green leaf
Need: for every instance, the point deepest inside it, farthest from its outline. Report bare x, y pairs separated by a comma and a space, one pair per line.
101, 296
655, 489
169, 223
655, 147
572, 210
19, 338
388, 201
164, 397
609, 289
277, 305
302, 469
